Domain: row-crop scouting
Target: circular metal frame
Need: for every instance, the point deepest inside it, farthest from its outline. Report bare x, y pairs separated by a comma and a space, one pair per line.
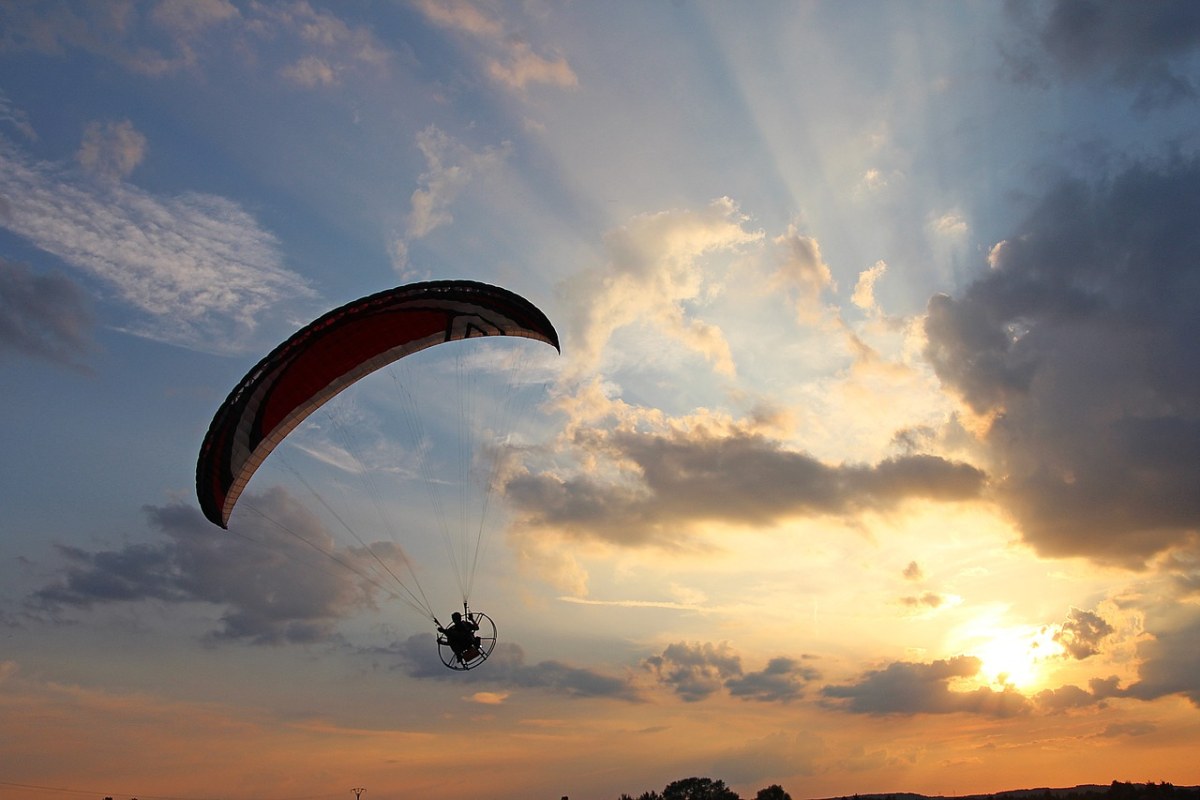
485, 639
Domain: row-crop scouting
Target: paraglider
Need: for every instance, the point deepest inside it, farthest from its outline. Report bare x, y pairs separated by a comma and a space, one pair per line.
329, 355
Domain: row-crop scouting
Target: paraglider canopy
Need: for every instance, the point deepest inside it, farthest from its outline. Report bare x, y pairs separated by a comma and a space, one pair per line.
330, 354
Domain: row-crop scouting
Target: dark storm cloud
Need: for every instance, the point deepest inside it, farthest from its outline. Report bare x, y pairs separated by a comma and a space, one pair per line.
1140, 46
506, 669
1170, 664
909, 688
272, 587
44, 316
680, 479
1082, 633
1081, 343
697, 671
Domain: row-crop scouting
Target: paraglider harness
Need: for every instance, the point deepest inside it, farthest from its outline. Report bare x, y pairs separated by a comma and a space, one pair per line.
467, 641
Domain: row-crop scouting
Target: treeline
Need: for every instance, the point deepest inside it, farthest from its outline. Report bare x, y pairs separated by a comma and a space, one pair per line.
1151, 791
706, 789
710, 789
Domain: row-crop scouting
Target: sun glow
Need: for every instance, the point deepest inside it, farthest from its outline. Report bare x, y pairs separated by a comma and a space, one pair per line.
1015, 657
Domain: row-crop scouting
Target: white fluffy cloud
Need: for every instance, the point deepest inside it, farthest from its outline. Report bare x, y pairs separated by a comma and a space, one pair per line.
653, 273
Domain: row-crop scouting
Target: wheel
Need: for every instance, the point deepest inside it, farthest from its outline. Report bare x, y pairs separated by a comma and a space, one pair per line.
485, 639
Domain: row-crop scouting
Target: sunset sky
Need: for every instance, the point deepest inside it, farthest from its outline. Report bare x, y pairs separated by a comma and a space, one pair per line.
871, 461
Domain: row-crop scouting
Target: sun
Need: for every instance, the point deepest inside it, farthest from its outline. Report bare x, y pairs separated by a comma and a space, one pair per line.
1016, 656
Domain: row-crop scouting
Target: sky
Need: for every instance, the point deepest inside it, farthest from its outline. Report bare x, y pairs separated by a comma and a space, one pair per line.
869, 462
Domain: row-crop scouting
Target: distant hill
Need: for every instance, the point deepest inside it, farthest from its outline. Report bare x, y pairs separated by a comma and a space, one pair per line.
1091, 791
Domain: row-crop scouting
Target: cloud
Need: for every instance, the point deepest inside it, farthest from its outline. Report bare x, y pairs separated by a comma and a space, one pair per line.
489, 698
509, 58
694, 672
277, 578
169, 36
331, 49
1183, 565
17, 118
310, 72
200, 268
802, 273
949, 227
1140, 46
910, 688
913, 571
655, 484
44, 316
1077, 346
111, 150
1116, 730
1064, 698
783, 679
929, 599
864, 288
1082, 633
450, 168
191, 16
520, 66
653, 274
450, 165
1170, 664
157, 42
506, 668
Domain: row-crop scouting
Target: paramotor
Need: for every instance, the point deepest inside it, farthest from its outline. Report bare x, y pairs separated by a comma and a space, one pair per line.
329, 355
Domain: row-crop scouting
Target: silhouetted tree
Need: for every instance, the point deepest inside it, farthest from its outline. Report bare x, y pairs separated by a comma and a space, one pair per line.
772, 792
698, 789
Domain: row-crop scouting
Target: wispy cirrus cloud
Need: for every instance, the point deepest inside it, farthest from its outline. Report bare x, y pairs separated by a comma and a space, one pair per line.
198, 267
149, 40
171, 36
18, 119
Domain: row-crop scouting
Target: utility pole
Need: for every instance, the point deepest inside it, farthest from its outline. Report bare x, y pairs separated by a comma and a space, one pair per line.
358, 790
